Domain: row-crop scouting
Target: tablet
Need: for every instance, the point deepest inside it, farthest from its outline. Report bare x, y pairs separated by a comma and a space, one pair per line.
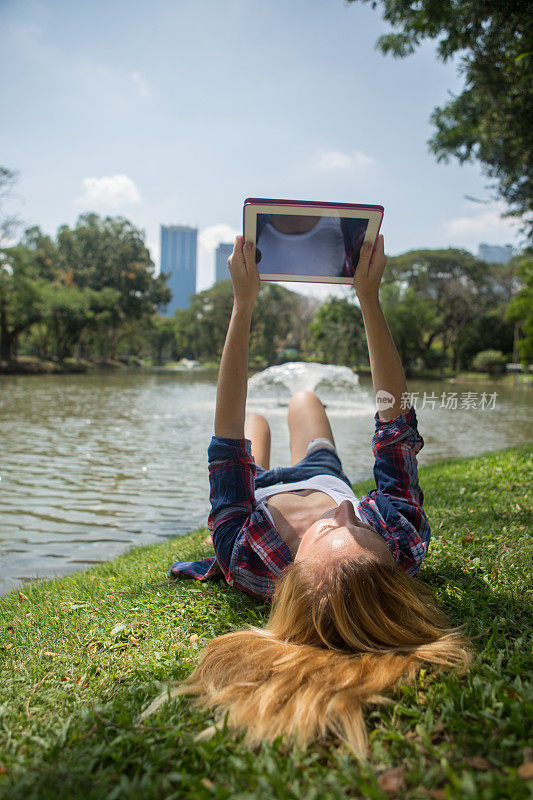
300, 240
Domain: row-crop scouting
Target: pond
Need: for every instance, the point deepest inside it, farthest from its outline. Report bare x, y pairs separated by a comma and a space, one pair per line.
92, 464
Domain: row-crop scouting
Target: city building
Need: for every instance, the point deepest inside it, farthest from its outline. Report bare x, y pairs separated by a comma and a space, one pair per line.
495, 253
178, 257
222, 254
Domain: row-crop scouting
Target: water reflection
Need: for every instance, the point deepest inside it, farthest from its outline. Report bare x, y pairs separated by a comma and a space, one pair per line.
91, 464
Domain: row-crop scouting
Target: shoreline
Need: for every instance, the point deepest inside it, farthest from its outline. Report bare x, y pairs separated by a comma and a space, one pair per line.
34, 366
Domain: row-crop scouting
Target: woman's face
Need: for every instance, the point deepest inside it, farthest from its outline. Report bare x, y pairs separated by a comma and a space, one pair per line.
340, 533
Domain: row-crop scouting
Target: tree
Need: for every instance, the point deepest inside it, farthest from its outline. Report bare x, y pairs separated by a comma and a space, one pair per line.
45, 255
21, 302
488, 331
457, 286
412, 320
105, 315
490, 121
94, 281
110, 254
66, 314
276, 322
162, 338
520, 309
200, 330
491, 361
8, 222
337, 332
16, 312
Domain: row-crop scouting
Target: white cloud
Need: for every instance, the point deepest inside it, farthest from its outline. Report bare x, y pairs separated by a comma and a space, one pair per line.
154, 249
111, 190
141, 83
211, 237
208, 241
486, 223
336, 160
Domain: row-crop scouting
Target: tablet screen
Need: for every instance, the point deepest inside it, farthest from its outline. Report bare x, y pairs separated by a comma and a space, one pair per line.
314, 246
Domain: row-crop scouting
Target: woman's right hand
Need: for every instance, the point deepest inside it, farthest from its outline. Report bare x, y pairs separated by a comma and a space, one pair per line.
243, 273
369, 271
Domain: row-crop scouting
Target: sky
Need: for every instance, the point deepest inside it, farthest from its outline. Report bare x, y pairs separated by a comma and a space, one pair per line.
175, 111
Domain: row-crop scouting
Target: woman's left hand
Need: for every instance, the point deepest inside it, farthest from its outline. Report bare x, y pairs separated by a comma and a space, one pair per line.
243, 271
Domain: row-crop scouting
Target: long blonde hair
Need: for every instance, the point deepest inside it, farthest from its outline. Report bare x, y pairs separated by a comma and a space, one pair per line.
337, 637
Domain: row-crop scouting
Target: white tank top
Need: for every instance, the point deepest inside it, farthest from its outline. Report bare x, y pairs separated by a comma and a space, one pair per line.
320, 251
336, 488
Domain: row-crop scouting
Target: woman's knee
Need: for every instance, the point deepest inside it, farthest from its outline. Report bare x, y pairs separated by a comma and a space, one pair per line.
303, 399
256, 419
256, 425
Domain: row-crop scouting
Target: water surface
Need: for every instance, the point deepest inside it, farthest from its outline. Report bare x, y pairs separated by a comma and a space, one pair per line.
92, 464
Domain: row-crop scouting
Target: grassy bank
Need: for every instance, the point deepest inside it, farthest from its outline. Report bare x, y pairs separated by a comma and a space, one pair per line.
81, 657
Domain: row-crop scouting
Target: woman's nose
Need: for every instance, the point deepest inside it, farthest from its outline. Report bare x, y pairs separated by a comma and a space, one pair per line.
344, 513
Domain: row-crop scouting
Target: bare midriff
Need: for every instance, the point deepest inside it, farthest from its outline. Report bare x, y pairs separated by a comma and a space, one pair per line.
294, 512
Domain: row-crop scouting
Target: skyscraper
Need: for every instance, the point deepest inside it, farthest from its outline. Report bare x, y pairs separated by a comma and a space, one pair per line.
495, 253
222, 254
178, 257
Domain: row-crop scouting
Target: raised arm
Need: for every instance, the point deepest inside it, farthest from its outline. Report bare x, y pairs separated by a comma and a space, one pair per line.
394, 508
233, 372
385, 364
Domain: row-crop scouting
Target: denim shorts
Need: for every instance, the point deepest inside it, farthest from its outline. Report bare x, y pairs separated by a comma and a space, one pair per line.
321, 459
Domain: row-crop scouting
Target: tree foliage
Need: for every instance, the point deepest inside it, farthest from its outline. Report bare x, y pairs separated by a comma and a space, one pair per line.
488, 331
84, 286
200, 330
280, 318
520, 309
490, 121
491, 361
110, 253
337, 333
441, 292
21, 301
162, 338
412, 320
8, 222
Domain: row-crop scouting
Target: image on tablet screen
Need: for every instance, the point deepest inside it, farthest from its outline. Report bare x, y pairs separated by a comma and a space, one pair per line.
293, 244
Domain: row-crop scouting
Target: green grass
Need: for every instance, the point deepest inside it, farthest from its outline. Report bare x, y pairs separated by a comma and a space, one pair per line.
81, 657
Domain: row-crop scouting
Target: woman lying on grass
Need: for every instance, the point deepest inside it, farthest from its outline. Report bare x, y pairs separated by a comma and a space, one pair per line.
348, 620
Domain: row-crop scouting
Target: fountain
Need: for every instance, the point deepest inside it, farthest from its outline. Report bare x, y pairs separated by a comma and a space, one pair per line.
337, 387
300, 375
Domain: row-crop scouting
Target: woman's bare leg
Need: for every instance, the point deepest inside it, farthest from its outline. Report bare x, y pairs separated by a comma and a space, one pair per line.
257, 429
307, 420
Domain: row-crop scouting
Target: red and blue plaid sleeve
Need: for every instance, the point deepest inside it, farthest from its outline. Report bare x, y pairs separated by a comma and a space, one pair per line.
248, 548
232, 498
250, 553
394, 508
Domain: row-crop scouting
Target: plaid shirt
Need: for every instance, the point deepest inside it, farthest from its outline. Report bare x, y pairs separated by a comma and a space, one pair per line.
251, 554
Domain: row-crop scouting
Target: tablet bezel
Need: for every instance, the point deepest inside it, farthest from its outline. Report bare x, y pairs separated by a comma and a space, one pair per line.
254, 206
